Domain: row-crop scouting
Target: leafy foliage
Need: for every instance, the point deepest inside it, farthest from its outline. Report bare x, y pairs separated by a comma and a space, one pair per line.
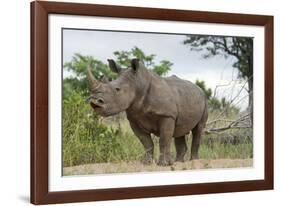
124, 59
208, 91
87, 140
77, 67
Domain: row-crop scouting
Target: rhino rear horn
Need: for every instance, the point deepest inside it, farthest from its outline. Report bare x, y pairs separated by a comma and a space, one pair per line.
92, 80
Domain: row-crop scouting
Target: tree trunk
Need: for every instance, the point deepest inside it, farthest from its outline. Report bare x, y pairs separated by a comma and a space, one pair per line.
250, 103
251, 83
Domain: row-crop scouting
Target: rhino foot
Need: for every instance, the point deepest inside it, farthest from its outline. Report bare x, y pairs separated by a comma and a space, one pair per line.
147, 159
165, 160
194, 157
180, 159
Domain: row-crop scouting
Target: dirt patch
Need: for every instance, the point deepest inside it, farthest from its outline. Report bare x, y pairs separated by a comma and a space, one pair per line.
124, 167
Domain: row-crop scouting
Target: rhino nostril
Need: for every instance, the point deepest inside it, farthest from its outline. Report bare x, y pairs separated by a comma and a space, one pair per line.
100, 101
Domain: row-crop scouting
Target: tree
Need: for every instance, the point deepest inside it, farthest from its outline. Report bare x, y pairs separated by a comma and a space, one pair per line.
214, 103
208, 91
77, 67
241, 48
124, 59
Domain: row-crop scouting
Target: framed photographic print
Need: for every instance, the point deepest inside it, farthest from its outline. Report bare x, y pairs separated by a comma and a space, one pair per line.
131, 102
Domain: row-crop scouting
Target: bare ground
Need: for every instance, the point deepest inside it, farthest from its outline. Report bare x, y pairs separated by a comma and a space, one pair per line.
124, 167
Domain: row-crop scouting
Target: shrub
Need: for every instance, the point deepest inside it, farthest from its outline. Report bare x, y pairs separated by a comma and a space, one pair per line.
87, 140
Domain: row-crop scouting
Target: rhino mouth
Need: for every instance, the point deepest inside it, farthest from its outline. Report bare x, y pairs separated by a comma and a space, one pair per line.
95, 106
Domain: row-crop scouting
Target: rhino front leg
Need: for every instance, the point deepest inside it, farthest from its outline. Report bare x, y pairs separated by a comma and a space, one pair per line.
167, 126
145, 139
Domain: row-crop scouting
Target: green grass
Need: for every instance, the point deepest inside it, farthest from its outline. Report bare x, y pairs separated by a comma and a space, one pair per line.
88, 138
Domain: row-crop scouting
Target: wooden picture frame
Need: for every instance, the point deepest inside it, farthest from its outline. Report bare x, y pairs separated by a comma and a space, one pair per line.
39, 102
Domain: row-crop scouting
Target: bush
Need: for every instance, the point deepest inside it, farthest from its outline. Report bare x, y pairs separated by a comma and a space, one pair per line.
87, 140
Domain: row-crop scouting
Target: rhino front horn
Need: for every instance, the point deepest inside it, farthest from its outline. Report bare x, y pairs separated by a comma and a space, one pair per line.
92, 80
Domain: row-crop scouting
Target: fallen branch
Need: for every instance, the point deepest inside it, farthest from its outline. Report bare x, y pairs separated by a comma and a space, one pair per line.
225, 128
219, 120
232, 125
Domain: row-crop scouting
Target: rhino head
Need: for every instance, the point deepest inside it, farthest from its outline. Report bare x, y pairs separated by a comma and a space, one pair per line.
110, 98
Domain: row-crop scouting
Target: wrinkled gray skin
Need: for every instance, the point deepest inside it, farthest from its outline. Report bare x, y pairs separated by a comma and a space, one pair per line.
166, 107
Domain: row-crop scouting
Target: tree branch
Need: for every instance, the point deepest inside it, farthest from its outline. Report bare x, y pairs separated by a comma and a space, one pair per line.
232, 100
232, 125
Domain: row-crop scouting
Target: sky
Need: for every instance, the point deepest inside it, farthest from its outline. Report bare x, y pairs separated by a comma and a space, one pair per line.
217, 72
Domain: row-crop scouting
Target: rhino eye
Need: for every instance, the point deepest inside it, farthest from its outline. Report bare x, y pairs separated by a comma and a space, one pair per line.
117, 89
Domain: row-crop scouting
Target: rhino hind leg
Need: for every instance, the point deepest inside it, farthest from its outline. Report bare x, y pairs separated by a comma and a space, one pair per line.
196, 135
166, 134
181, 148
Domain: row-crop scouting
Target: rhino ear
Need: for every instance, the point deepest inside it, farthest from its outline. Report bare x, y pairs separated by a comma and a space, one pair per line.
113, 66
135, 64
